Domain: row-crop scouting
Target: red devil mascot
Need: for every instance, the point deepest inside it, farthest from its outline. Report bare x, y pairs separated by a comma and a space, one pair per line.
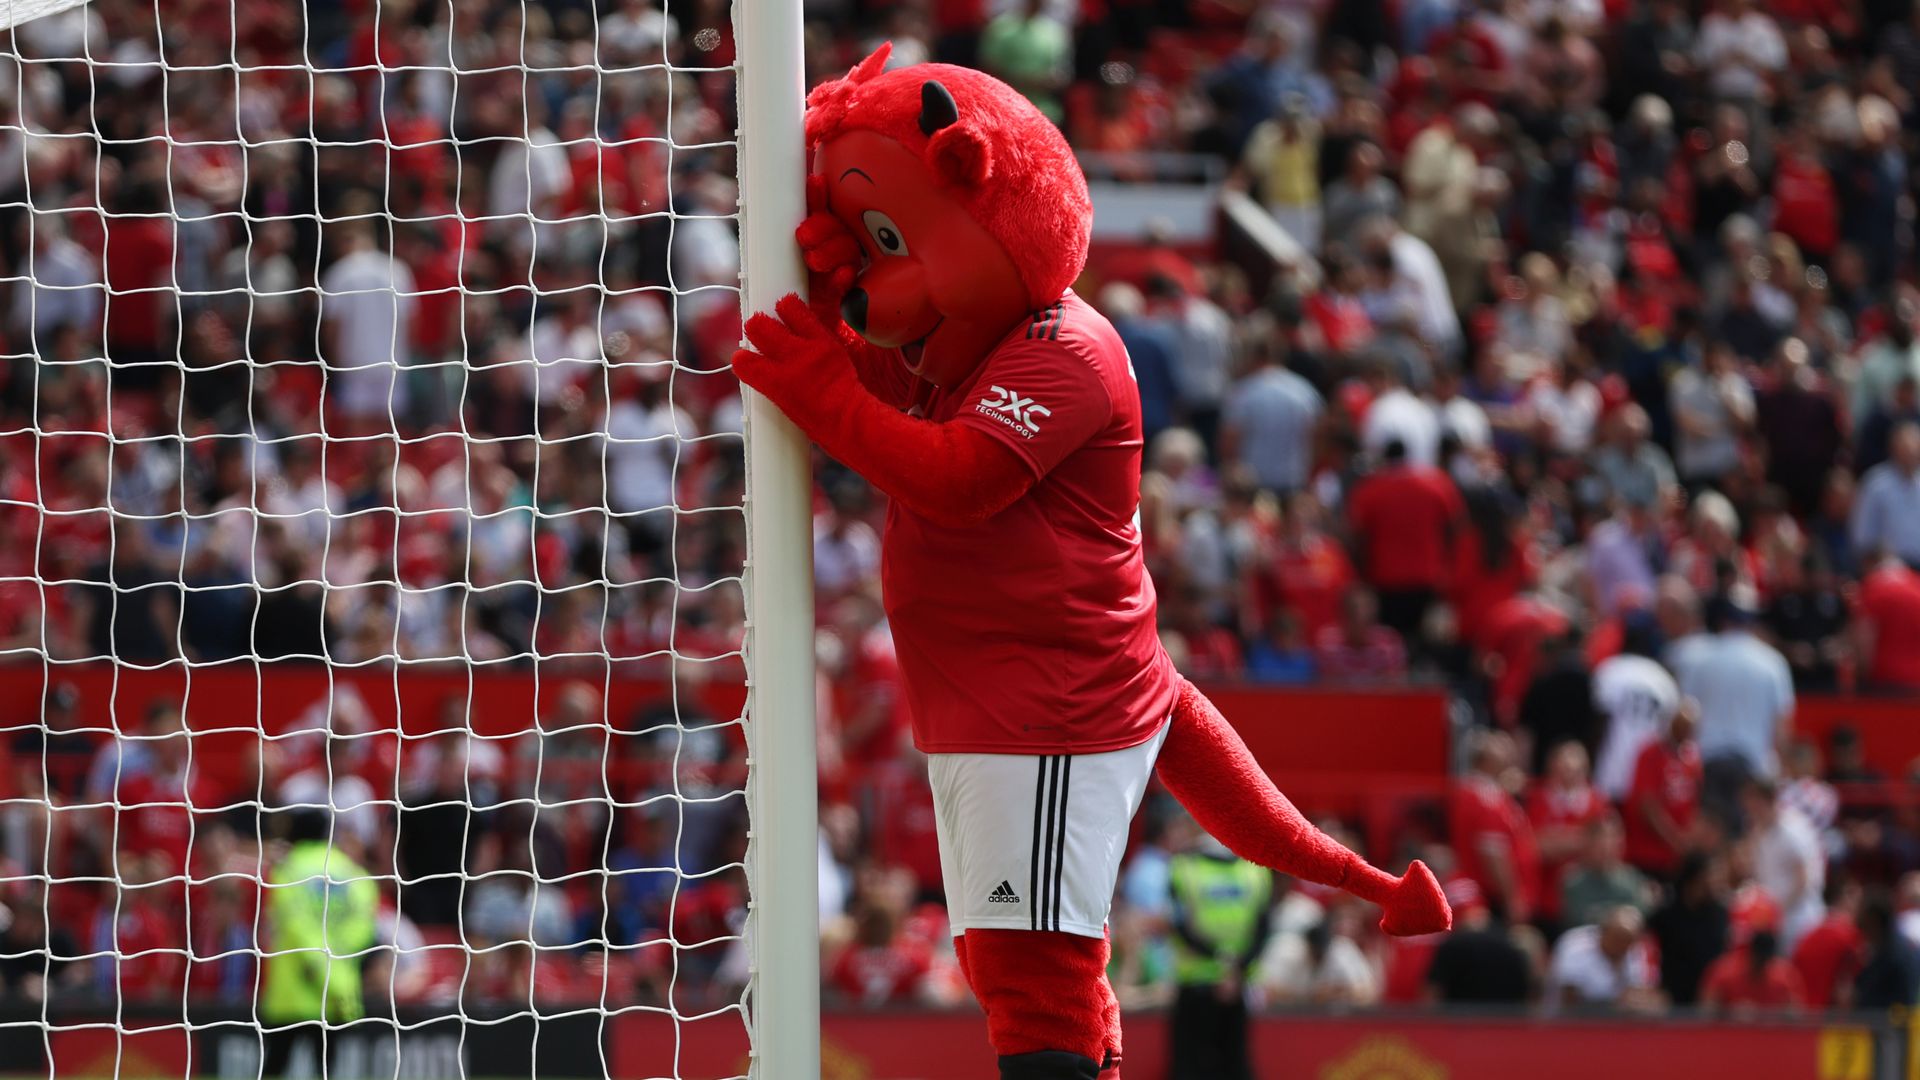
942, 355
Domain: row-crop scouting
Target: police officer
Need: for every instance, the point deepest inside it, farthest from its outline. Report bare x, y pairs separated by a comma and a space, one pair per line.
1222, 909
322, 918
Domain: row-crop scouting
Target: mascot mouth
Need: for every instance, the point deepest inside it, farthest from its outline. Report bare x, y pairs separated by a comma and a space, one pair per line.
912, 351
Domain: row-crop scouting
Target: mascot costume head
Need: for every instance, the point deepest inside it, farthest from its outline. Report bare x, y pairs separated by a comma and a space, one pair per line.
945, 212
969, 206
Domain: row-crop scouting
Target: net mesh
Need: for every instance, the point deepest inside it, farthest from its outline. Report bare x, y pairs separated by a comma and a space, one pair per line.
370, 471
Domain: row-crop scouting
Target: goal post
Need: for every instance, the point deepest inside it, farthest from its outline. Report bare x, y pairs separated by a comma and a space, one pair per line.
783, 810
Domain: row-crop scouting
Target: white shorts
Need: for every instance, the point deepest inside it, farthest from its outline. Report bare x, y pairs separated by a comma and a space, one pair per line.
1033, 842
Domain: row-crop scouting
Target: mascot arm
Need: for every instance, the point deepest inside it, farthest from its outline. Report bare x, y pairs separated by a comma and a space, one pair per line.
953, 475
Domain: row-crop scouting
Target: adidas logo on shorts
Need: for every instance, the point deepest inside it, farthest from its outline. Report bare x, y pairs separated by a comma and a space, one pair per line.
1003, 895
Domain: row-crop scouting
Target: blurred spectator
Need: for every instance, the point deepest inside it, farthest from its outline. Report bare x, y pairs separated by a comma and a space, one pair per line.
1639, 698
1221, 915
1563, 807
1606, 964
1788, 861
1152, 348
1032, 51
1886, 514
36, 958
1829, 955
1322, 965
1807, 619
1712, 406
1558, 708
1282, 656
886, 962
1269, 422
1404, 518
1887, 625
1603, 880
1663, 797
1890, 973
1693, 927
1359, 193
1753, 978
366, 327
1478, 963
1800, 422
1746, 698
1359, 646
1491, 833
1283, 160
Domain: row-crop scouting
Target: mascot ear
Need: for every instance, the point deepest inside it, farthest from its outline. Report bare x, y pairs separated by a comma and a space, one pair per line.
874, 64
960, 157
828, 103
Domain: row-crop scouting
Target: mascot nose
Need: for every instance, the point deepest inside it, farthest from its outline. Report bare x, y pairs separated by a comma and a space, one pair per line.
853, 308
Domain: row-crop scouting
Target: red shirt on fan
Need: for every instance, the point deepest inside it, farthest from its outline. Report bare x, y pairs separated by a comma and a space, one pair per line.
1033, 633
1404, 516
1890, 600
1828, 957
1483, 817
1671, 778
883, 974
1731, 982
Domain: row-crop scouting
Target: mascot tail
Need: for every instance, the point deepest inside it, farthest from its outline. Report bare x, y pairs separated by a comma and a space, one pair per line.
1210, 771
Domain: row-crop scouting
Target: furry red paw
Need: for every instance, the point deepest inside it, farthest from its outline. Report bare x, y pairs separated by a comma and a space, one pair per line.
794, 360
1417, 905
831, 252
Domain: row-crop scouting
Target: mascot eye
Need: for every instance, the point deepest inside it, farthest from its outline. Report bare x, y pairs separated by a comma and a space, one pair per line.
884, 232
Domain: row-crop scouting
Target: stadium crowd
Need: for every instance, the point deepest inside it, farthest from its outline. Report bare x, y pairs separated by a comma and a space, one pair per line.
1597, 404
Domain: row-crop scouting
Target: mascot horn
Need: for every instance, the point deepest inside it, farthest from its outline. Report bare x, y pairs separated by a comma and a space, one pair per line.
942, 354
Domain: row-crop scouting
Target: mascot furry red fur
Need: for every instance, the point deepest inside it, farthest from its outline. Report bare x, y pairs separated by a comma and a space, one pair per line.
947, 220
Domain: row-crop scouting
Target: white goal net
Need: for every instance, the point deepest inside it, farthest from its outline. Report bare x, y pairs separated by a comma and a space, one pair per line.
373, 540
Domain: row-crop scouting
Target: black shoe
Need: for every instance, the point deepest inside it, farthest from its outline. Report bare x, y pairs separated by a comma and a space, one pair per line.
1049, 1065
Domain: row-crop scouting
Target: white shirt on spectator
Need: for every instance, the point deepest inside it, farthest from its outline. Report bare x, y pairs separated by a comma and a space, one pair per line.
642, 445
1718, 403
1466, 421
1638, 697
528, 178
367, 297
1415, 260
1569, 412
844, 561
1579, 966
1788, 862
1740, 53
1399, 415
1286, 970
58, 296
1206, 352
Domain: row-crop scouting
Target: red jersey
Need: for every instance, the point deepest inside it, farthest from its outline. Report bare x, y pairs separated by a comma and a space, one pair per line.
1731, 981
1829, 956
1034, 632
1671, 778
1309, 576
1890, 599
1404, 517
883, 974
1554, 808
1484, 816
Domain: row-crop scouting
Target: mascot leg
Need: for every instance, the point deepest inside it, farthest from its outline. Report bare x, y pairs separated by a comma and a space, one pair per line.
1047, 1002
1207, 767
1110, 1008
